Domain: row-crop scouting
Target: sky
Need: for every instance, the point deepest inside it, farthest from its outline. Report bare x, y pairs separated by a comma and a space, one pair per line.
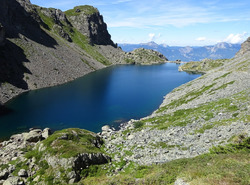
170, 22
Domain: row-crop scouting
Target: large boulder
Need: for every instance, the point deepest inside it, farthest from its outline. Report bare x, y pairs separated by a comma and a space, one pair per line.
33, 135
12, 181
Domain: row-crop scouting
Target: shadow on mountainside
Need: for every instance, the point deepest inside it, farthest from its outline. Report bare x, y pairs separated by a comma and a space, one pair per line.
11, 65
16, 20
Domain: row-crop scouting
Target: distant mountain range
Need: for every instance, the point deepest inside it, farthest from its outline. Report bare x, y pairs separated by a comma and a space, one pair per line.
221, 50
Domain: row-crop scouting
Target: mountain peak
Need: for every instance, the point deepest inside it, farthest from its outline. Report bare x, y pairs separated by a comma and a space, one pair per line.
151, 43
223, 45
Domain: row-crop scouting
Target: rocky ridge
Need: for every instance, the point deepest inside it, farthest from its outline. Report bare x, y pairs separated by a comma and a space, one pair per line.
145, 57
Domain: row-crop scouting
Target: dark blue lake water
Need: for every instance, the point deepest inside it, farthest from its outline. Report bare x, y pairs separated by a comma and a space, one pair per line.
108, 96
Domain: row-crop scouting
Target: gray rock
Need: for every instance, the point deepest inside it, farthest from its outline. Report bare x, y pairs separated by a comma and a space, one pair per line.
33, 135
12, 181
4, 174
105, 128
180, 181
72, 181
22, 173
130, 137
46, 133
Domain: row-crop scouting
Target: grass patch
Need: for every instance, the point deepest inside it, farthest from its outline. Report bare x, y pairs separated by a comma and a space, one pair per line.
186, 98
86, 9
138, 124
223, 76
243, 145
83, 42
70, 142
223, 86
204, 112
164, 145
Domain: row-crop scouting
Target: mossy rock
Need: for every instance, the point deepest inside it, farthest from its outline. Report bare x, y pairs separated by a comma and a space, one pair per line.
71, 142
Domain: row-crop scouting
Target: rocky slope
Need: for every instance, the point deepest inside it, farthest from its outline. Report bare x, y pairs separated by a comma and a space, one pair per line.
193, 118
46, 47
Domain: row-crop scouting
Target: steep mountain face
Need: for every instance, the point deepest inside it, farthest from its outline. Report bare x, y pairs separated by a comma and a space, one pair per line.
219, 51
89, 22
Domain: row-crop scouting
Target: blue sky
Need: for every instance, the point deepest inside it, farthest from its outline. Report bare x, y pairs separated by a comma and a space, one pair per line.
171, 22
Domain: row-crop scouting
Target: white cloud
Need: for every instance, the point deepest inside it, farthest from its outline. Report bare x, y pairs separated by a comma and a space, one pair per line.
235, 38
151, 36
154, 37
201, 39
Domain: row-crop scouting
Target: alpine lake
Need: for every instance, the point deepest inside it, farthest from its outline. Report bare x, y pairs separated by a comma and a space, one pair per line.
109, 96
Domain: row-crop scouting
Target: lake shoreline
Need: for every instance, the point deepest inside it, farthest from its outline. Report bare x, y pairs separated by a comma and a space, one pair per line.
152, 76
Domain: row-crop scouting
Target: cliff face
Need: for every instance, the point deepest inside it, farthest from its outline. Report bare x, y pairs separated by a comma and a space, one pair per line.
89, 22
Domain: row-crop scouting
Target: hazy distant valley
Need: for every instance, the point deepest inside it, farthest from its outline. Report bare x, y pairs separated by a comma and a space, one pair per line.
221, 50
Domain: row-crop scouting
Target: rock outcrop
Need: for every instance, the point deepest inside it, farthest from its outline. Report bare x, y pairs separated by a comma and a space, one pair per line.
89, 22
63, 155
145, 57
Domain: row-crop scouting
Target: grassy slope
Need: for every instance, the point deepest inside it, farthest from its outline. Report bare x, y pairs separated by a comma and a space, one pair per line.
223, 165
